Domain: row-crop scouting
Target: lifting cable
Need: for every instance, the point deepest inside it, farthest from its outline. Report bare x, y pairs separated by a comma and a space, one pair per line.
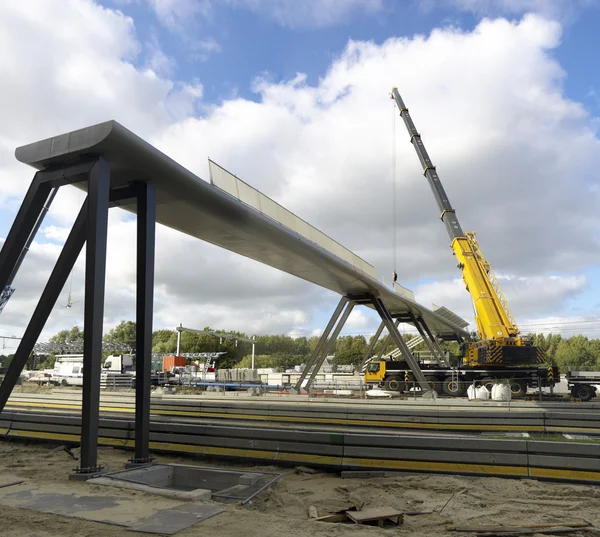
394, 274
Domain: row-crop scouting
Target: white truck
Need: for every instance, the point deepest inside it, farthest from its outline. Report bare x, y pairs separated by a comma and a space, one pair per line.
119, 363
68, 368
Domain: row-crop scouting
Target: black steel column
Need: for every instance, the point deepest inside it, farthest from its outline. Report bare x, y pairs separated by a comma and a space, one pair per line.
56, 282
22, 227
146, 232
95, 272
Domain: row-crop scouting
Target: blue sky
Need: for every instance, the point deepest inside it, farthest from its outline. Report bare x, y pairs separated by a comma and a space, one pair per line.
245, 43
188, 74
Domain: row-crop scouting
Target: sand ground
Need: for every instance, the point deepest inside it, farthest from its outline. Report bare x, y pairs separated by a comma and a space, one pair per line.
283, 509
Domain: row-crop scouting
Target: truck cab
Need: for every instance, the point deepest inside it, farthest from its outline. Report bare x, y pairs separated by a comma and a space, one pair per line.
119, 363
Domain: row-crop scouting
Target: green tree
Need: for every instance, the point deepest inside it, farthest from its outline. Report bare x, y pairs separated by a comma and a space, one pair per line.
5, 360
75, 335
124, 332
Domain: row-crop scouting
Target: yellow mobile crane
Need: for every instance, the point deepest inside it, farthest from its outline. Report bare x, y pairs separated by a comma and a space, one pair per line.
499, 351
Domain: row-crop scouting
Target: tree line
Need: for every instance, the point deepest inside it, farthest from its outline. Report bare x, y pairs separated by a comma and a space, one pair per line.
280, 351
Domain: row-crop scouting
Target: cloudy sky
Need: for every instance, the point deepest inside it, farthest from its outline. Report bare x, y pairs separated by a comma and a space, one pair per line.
293, 97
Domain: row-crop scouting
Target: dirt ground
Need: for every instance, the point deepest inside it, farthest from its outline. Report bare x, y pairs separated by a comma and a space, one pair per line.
283, 509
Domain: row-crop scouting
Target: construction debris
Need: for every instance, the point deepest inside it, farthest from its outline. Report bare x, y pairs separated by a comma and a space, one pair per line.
524, 529
376, 514
305, 470
358, 515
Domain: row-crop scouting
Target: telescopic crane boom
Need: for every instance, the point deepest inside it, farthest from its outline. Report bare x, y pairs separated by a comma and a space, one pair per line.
499, 342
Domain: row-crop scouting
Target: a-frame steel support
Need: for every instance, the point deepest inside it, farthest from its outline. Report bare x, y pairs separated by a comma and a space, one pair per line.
371, 346
329, 347
387, 318
338, 319
316, 354
430, 341
90, 227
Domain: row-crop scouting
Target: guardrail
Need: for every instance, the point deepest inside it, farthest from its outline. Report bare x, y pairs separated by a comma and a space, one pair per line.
338, 451
469, 417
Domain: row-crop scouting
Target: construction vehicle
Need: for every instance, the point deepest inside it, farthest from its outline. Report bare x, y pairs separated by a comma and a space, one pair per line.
498, 351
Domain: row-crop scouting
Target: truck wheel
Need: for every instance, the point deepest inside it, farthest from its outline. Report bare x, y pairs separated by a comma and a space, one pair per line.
488, 382
452, 387
394, 384
434, 383
518, 388
64, 382
583, 392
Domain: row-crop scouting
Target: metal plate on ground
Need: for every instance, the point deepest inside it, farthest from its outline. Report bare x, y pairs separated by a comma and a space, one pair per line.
170, 521
155, 514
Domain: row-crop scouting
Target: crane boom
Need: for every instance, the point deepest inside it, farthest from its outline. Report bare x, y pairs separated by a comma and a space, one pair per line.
495, 323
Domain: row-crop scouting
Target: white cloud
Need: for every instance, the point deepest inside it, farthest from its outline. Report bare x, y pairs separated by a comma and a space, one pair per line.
357, 319
178, 14
516, 157
567, 326
527, 296
554, 9
311, 13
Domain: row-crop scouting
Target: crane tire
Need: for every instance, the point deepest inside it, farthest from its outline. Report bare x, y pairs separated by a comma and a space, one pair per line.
434, 383
452, 387
518, 388
488, 382
583, 392
394, 384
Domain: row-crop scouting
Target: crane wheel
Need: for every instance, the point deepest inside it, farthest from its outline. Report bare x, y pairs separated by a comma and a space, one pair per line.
488, 382
434, 383
518, 388
453, 387
394, 384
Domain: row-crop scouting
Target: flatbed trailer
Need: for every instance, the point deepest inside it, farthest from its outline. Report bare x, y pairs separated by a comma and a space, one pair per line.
397, 376
582, 384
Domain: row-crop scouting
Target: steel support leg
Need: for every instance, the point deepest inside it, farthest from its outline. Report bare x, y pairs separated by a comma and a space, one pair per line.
386, 342
431, 342
56, 282
315, 354
374, 341
22, 227
95, 272
146, 231
330, 346
393, 330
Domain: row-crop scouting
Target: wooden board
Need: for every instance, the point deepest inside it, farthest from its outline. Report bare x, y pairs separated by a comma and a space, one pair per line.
376, 513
